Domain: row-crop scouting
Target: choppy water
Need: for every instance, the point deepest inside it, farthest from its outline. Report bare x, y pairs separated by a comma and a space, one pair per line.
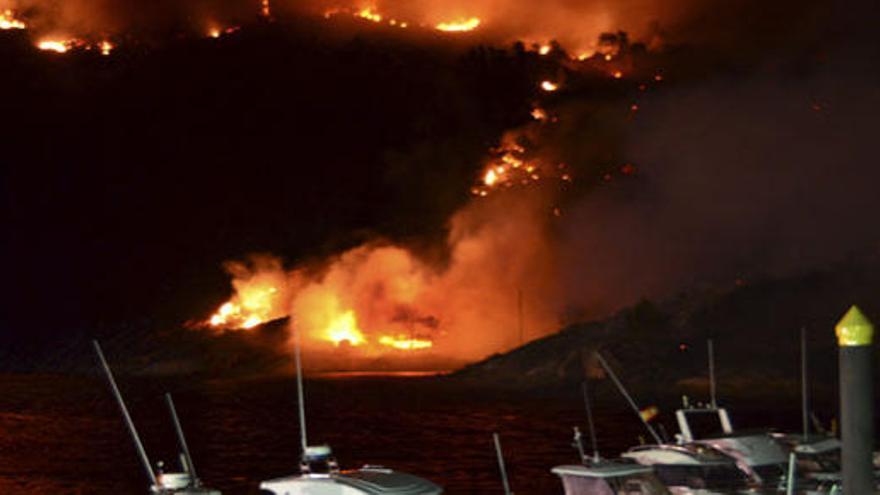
64, 435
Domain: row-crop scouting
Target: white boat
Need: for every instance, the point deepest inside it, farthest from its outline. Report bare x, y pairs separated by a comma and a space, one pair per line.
757, 453
609, 478
320, 474
692, 469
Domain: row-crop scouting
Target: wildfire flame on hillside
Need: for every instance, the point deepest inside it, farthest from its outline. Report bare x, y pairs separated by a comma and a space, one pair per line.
372, 14
510, 165
57, 46
459, 26
9, 21
386, 300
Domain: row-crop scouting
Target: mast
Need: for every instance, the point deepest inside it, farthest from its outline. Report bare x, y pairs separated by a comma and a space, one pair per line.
142, 453
579, 445
299, 391
501, 467
711, 349
589, 409
182, 440
805, 412
628, 398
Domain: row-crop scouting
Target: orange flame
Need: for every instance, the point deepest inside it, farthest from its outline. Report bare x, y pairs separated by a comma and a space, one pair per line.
9, 21
370, 14
106, 47
252, 305
549, 86
405, 344
459, 26
344, 328
54, 46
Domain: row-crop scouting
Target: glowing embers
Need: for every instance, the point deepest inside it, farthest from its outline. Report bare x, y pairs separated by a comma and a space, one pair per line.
539, 114
265, 9
405, 344
549, 86
216, 32
57, 46
105, 47
372, 14
251, 306
459, 26
510, 166
368, 14
9, 21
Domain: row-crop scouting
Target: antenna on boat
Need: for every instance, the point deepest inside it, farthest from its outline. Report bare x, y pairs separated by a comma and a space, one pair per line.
592, 428
299, 391
187, 458
628, 398
711, 349
805, 412
501, 467
128, 422
579, 444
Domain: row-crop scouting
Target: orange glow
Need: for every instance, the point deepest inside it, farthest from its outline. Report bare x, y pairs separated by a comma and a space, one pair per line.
265, 8
585, 55
8, 21
54, 46
459, 26
512, 164
405, 344
214, 32
549, 86
617, 74
344, 329
539, 114
252, 305
490, 178
369, 14
544, 49
106, 47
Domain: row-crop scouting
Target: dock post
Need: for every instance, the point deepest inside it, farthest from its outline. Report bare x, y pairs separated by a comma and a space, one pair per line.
855, 335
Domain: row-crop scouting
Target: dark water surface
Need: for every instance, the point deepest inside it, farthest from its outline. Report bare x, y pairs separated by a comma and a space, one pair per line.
61, 434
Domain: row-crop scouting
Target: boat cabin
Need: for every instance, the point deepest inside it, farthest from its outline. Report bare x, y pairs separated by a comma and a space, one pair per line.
684, 468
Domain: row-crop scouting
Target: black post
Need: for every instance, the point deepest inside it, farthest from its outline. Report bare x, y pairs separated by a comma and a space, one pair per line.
854, 337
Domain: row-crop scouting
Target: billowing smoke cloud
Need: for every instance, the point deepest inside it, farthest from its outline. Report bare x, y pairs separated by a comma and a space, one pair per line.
496, 276
734, 181
755, 178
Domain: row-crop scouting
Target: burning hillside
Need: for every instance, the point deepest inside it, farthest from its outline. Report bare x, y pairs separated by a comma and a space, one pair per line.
576, 26
382, 299
430, 188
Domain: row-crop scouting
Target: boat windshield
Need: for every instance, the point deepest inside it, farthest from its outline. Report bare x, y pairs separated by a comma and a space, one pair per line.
637, 484
710, 477
704, 424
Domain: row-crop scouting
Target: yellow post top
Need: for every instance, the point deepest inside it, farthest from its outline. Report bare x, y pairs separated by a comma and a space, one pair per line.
854, 329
